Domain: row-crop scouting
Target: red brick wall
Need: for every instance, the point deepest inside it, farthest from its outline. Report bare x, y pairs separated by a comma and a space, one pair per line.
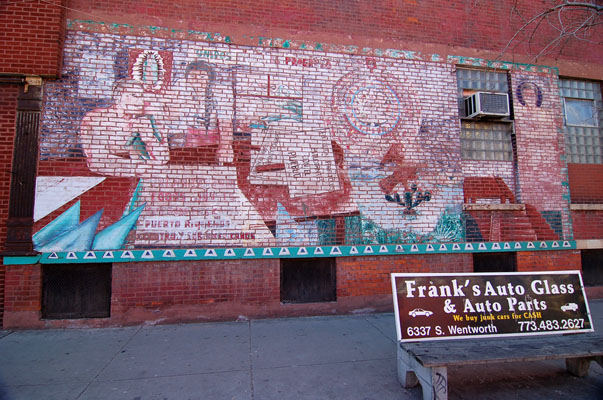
483, 24
143, 287
180, 291
23, 290
8, 107
368, 276
31, 37
22, 296
586, 183
587, 224
540, 145
560, 260
187, 291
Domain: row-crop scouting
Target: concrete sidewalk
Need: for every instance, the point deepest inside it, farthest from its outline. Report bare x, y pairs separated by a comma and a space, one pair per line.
337, 357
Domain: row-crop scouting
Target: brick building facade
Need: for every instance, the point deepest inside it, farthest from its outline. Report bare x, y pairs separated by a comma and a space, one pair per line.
179, 161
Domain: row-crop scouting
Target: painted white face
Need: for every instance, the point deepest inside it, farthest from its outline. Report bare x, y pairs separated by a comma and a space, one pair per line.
132, 101
198, 81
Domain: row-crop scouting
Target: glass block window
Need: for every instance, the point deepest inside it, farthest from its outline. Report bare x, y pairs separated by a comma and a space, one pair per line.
482, 80
489, 141
583, 116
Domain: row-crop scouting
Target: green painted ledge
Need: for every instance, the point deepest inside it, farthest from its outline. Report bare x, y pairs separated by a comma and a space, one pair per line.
249, 253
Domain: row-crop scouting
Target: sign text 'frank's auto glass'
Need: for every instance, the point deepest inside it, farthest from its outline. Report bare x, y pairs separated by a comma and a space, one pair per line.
438, 306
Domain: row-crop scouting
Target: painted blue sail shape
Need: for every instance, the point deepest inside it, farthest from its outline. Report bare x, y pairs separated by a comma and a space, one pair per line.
61, 224
290, 231
114, 236
76, 239
134, 199
284, 223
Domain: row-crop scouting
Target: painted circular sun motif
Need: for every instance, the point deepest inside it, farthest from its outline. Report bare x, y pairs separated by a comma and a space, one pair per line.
373, 109
367, 104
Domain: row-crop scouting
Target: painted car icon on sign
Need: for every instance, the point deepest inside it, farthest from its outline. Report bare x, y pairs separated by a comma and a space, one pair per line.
419, 311
569, 307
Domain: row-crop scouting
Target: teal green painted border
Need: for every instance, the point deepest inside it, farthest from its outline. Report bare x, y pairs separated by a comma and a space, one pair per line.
249, 253
273, 42
27, 260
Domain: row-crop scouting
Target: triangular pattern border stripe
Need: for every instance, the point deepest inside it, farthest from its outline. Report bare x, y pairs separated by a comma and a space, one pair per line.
55, 257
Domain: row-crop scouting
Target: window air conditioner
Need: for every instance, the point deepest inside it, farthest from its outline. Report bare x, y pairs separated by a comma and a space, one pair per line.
485, 104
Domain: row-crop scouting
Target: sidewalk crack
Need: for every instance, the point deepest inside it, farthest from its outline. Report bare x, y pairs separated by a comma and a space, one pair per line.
109, 362
379, 329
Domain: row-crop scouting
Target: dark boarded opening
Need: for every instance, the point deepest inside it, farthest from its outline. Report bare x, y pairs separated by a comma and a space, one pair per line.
592, 267
494, 262
76, 291
308, 280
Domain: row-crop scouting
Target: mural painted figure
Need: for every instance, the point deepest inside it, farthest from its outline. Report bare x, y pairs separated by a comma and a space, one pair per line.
123, 140
184, 204
211, 119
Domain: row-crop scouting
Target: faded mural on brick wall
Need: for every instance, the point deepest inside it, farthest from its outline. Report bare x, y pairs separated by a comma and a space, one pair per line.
165, 143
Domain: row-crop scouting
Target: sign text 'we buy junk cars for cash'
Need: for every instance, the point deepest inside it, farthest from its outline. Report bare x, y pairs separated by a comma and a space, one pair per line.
448, 306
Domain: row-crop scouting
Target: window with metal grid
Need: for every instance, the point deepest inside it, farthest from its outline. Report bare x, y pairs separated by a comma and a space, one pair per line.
583, 116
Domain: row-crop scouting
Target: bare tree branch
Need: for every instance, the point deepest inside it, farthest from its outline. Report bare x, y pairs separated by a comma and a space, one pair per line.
568, 19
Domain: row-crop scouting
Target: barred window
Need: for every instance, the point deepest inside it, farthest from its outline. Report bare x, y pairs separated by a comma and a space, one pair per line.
486, 140
583, 114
